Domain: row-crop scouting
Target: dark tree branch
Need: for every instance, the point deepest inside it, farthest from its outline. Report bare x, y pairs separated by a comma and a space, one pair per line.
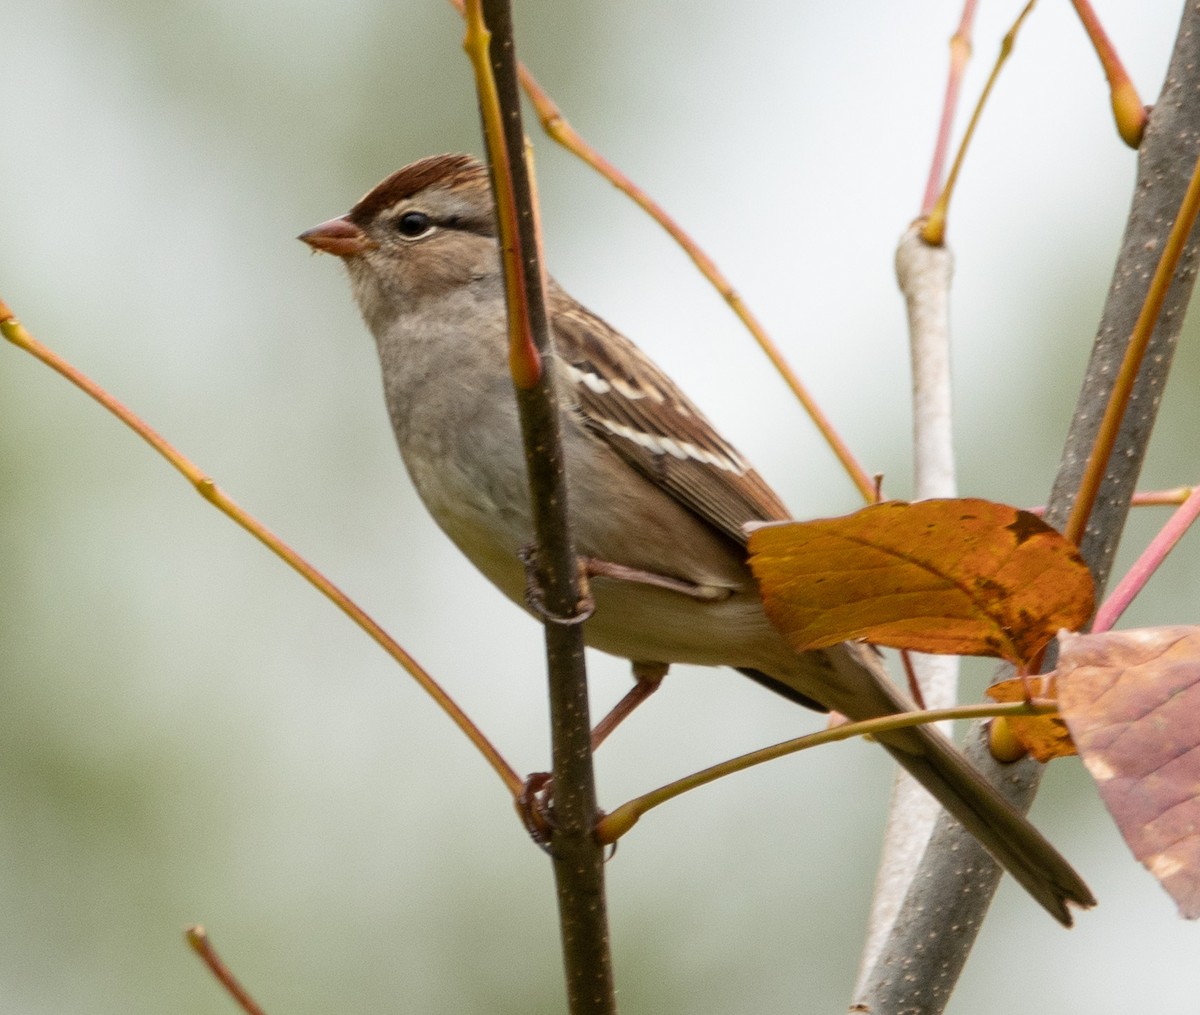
577, 855
954, 885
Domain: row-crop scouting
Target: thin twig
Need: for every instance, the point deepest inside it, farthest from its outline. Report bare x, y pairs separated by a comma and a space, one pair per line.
1151, 558
1135, 352
960, 54
561, 131
1128, 111
1146, 498
198, 938
619, 821
14, 331
934, 230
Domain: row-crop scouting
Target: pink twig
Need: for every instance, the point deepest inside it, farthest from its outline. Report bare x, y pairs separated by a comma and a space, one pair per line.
960, 53
1154, 554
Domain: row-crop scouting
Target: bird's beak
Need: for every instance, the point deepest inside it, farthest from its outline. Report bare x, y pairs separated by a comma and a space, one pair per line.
338, 236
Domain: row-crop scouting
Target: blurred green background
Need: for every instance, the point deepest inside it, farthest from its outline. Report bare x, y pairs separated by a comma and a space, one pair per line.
189, 733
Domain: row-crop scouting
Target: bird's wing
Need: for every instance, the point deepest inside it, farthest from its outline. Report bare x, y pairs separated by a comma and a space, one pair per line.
632, 405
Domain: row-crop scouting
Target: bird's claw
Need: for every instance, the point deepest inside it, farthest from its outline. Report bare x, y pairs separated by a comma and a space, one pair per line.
533, 806
535, 601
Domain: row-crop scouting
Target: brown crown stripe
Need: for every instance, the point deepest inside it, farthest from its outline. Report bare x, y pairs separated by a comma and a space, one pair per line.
450, 172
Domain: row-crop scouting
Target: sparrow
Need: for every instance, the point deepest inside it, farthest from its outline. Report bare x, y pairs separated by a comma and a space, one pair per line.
655, 492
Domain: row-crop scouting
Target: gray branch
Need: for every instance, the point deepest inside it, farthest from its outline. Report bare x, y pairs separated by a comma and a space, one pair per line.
954, 885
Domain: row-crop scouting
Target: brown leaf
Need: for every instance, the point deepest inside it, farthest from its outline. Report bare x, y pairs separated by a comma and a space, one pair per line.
1044, 736
1131, 699
964, 577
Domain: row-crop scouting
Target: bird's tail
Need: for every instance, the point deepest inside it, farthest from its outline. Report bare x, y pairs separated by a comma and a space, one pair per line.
862, 690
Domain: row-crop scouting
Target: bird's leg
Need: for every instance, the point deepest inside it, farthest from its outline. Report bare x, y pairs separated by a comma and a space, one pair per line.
647, 678
533, 803
596, 568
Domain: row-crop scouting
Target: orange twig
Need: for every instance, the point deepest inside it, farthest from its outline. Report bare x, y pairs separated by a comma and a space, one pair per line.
556, 125
934, 231
197, 937
13, 330
1114, 412
619, 821
1128, 108
523, 359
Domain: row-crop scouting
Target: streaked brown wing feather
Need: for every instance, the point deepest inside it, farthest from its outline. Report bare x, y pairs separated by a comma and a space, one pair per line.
644, 417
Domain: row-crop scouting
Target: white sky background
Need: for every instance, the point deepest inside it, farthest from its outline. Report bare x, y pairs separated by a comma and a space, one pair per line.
190, 734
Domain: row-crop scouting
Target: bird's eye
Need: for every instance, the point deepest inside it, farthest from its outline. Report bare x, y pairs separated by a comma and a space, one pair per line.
413, 224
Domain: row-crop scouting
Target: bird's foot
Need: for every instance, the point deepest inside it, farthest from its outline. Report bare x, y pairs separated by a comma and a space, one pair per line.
533, 807
535, 599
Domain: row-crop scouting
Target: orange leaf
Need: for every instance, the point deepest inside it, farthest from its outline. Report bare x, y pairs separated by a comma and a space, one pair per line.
1131, 699
962, 577
1044, 736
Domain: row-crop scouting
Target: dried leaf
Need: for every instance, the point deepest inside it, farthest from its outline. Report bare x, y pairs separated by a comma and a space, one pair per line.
964, 577
1131, 700
1046, 737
